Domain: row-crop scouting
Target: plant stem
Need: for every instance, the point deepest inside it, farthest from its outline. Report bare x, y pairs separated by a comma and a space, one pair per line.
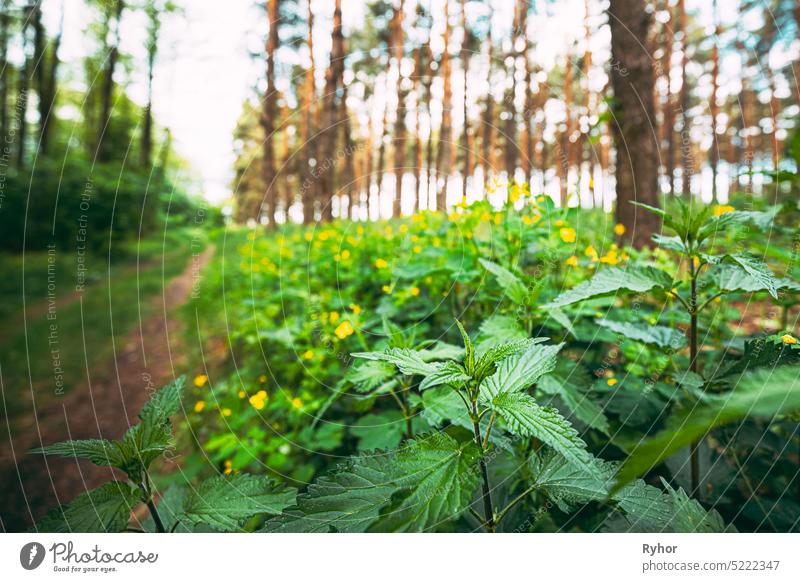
487, 490
145, 487
694, 450
514, 501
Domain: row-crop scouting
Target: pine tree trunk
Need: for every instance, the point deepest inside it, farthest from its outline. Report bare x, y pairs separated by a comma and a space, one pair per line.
107, 90
444, 155
636, 145
309, 143
465, 141
333, 81
400, 121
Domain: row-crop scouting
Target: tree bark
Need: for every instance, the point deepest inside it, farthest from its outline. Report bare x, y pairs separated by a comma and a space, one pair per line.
634, 138
444, 155
308, 138
334, 76
269, 114
400, 121
107, 90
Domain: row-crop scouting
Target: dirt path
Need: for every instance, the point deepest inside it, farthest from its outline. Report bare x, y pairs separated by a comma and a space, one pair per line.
103, 407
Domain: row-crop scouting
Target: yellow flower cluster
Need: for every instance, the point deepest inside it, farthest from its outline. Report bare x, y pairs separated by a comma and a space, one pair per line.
381, 264
721, 209
789, 339
344, 330
567, 234
200, 380
259, 399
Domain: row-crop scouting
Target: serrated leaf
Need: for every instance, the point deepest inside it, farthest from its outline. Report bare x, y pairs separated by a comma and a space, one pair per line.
408, 361
446, 373
379, 431
584, 408
500, 329
658, 335
521, 371
612, 280
225, 501
101, 452
437, 476
566, 483
348, 500
370, 375
763, 393
671, 243
513, 287
526, 418
164, 403
758, 270
105, 509
170, 509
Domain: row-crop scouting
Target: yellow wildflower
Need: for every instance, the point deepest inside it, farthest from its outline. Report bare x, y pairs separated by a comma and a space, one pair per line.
259, 399
610, 258
789, 339
381, 264
262, 378
567, 234
611, 381
333, 316
486, 217
297, 403
403, 228
355, 309
199, 406
308, 355
200, 380
559, 223
228, 467
387, 289
345, 329
414, 291
721, 209
572, 261
308, 236
226, 412
498, 218
590, 251
619, 229
242, 393
417, 249
345, 254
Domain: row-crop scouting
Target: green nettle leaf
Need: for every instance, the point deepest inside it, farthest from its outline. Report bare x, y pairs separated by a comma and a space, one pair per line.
370, 375
170, 510
487, 364
715, 224
444, 405
348, 500
758, 271
728, 277
469, 348
379, 431
224, 502
164, 403
101, 452
612, 280
520, 371
500, 329
437, 477
585, 409
671, 243
527, 419
568, 484
659, 335
561, 319
105, 509
640, 507
447, 373
764, 393
142, 444
442, 351
408, 361
513, 287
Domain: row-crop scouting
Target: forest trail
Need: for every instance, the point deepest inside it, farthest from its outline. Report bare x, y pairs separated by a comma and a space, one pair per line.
102, 407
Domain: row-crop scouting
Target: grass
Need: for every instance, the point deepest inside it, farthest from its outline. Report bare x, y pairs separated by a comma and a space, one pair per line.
50, 349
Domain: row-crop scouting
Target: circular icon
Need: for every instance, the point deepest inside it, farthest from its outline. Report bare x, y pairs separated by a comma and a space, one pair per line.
31, 555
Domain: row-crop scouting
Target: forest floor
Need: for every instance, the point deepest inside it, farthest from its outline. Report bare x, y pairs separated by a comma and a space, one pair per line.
103, 406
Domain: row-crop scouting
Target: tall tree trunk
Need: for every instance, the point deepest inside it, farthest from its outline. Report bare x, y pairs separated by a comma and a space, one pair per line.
566, 154
669, 109
5, 24
23, 89
269, 114
333, 81
510, 125
382, 145
418, 68
107, 90
713, 109
309, 141
487, 136
400, 121
465, 142
429, 161
349, 172
588, 101
637, 160
686, 154
444, 155
51, 89
152, 50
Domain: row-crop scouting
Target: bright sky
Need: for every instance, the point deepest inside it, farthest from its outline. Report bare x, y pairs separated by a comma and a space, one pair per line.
205, 71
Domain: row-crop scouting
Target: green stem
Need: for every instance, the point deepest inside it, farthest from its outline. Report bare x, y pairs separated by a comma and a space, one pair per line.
694, 451
514, 501
150, 505
487, 490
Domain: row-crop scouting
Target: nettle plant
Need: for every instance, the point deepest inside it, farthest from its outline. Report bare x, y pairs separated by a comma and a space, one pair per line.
702, 277
499, 456
222, 503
